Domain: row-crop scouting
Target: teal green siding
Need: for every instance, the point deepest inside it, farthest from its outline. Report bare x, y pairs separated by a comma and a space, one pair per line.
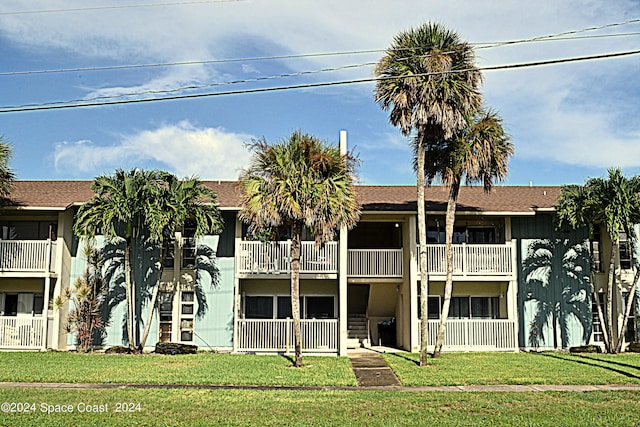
113, 309
554, 300
215, 328
212, 328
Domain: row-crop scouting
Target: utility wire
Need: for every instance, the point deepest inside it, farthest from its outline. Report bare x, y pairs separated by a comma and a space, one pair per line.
485, 45
203, 62
227, 83
124, 6
572, 32
80, 104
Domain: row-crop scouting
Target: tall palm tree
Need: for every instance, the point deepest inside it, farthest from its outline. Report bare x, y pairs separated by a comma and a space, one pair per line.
6, 174
613, 203
299, 182
428, 80
119, 209
179, 201
477, 153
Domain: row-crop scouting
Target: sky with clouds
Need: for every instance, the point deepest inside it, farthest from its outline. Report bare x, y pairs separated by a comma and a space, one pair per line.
568, 121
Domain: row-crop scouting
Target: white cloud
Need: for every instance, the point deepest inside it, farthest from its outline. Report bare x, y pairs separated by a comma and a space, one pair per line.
183, 148
81, 157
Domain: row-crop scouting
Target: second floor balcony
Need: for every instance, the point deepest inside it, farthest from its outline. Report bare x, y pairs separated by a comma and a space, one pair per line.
473, 260
470, 261
27, 256
275, 258
375, 263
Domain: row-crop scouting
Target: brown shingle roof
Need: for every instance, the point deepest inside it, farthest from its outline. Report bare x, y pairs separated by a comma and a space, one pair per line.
471, 199
509, 199
50, 194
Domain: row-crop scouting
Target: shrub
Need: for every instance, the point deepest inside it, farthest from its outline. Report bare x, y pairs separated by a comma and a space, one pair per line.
175, 348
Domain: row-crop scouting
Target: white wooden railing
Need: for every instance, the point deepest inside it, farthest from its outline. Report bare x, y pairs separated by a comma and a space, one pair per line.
375, 263
21, 332
473, 259
275, 257
27, 255
476, 334
276, 335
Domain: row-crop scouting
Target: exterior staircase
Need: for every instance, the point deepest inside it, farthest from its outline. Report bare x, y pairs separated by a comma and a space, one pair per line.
357, 331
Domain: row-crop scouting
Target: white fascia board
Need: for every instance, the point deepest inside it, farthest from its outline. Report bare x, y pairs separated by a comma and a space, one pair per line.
34, 208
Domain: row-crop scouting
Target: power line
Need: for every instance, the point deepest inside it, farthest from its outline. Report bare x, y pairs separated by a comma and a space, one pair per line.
572, 32
202, 62
80, 104
124, 6
485, 45
210, 85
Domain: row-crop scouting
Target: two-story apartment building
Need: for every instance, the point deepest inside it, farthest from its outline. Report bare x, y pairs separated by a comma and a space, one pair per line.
518, 282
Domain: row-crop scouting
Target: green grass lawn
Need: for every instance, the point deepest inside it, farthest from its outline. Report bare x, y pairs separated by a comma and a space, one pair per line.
516, 368
191, 407
228, 369
201, 368
200, 407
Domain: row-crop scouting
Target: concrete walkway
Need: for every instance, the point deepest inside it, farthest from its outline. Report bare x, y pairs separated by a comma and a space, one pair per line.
371, 370
437, 389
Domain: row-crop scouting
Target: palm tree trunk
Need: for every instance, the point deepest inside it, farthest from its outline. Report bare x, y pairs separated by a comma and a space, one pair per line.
128, 289
627, 311
422, 245
152, 307
154, 298
610, 282
448, 287
295, 291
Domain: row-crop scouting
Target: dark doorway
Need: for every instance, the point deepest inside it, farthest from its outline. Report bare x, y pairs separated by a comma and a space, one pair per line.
358, 299
11, 305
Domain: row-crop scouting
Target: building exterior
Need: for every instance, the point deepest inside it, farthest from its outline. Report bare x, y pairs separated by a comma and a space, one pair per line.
518, 282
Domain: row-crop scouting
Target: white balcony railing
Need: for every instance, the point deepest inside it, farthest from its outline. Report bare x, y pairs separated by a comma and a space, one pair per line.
375, 263
275, 257
21, 332
276, 335
476, 334
473, 259
27, 255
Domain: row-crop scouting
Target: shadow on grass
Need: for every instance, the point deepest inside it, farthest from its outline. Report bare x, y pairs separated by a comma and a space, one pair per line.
403, 356
612, 362
290, 358
590, 361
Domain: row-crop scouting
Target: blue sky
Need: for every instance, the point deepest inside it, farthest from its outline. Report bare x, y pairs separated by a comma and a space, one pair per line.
568, 122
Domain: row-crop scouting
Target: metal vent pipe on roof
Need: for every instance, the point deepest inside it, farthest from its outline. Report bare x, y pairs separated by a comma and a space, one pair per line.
343, 142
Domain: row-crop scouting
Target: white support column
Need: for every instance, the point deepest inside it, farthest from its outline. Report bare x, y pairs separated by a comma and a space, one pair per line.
342, 273
507, 229
177, 288
47, 291
414, 344
236, 284
512, 290
59, 337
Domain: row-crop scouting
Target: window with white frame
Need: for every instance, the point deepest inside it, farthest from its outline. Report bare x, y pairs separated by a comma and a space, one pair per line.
624, 251
165, 310
596, 326
21, 304
279, 307
467, 307
189, 245
631, 333
187, 313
